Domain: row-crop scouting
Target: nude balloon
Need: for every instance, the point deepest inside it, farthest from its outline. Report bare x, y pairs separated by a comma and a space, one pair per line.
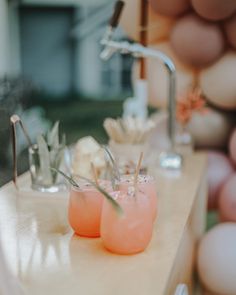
230, 30
197, 42
170, 7
227, 200
211, 129
218, 82
214, 9
159, 26
217, 259
219, 169
157, 77
232, 146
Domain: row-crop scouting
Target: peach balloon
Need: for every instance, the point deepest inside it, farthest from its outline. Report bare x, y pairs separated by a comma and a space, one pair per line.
218, 82
197, 42
227, 200
230, 29
170, 7
232, 146
211, 129
217, 259
218, 171
157, 77
214, 9
159, 26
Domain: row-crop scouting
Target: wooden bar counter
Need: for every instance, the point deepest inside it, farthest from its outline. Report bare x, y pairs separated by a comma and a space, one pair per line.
43, 253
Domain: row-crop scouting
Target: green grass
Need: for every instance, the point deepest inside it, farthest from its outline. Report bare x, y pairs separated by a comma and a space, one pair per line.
212, 219
82, 118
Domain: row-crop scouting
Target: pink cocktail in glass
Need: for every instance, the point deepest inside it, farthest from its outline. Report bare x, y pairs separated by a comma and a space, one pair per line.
145, 184
85, 209
131, 232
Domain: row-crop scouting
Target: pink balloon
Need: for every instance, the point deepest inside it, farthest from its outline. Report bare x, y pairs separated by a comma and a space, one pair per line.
227, 200
230, 30
197, 42
170, 7
232, 146
214, 9
219, 170
216, 259
208, 293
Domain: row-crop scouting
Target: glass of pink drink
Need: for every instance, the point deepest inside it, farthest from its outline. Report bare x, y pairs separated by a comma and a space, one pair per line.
145, 184
131, 232
85, 209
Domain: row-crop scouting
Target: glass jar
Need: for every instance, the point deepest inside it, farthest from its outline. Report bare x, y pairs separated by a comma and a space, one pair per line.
145, 184
43, 178
130, 233
85, 208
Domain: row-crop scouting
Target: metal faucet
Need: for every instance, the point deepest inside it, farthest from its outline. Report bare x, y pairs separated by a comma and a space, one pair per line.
169, 159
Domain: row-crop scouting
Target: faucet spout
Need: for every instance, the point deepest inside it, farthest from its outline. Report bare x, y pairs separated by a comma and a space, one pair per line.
169, 159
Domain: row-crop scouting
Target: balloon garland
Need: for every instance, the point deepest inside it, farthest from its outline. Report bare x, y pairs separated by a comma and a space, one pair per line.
200, 36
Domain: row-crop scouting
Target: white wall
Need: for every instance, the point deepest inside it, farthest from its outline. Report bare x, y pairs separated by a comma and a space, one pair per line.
4, 41
46, 51
9, 39
14, 39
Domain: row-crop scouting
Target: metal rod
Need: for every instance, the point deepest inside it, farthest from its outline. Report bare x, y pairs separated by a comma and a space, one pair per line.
143, 36
116, 14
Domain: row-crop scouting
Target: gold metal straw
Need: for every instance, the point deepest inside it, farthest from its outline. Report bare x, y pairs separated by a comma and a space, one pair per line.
137, 172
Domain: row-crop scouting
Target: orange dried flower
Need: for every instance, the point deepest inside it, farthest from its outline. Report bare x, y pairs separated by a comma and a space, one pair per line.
193, 101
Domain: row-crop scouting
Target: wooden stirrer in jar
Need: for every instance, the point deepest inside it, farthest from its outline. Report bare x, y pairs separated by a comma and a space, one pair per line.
137, 173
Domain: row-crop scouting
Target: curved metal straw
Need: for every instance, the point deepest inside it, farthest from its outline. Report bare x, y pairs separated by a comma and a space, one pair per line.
113, 162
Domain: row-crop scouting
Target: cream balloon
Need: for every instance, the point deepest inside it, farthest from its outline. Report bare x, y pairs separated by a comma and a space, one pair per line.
157, 78
218, 82
170, 7
159, 26
217, 259
219, 169
214, 9
197, 42
227, 200
232, 146
211, 129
